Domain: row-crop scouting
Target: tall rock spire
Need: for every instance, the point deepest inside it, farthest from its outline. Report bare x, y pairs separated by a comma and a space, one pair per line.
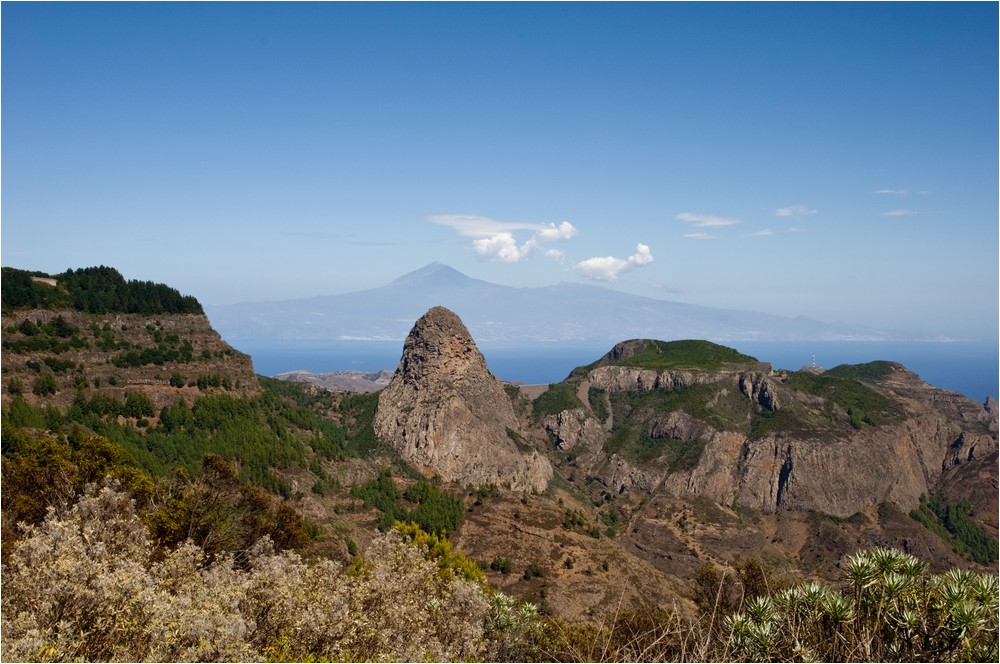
445, 413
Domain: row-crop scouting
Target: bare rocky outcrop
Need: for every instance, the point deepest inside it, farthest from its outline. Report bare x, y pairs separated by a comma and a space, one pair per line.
838, 475
968, 447
446, 414
575, 428
615, 378
990, 406
756, 386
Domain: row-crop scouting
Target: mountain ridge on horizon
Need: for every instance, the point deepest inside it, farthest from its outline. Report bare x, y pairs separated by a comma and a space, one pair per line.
494, 312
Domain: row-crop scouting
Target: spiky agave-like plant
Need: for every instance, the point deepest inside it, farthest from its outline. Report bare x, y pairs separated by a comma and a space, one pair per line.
892, 610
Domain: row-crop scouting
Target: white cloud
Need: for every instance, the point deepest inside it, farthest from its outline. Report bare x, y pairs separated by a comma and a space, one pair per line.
895, 192
563, 231
899, 213
795, 211
767, 232
602, 268
700, 236
706, 220
468, 225
642, 256
549, 233
609, 268
495, 240
501, 247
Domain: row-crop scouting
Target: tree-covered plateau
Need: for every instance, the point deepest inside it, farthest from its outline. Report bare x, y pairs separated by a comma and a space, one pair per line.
96, 290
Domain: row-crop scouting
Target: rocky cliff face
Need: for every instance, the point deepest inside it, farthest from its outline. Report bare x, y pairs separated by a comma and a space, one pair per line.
838, 444
446, 414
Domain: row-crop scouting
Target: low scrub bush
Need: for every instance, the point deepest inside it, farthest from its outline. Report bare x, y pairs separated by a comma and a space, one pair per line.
86, 584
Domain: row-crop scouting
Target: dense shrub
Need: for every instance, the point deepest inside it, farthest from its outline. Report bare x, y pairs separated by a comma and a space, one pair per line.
501, 564
436, 511
85, 585
532, 571
44, 384
263, 432
30, 336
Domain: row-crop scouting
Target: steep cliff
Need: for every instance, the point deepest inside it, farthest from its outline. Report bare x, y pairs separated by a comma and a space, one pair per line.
446, 414
690, 420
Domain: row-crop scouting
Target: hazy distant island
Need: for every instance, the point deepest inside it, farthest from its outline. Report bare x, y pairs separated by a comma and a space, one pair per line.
564, 312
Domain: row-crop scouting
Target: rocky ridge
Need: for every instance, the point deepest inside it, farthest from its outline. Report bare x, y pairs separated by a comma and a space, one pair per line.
446, 414
341, 381
771, 441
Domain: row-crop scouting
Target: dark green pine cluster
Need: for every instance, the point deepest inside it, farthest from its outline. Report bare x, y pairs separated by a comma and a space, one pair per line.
96, 290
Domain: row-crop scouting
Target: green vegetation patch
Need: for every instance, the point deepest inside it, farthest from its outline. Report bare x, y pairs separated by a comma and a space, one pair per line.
878, 370
556, 399
597, 398
434, 510
637, 412
640, 447
952, 524
263, 432
686, 354
863, 404
357, 413
693, 354
729, 412
55, 336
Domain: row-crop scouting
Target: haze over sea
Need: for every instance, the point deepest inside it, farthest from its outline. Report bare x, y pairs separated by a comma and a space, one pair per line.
962, 366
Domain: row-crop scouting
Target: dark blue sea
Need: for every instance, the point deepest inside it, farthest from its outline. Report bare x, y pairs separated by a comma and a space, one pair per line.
970, 368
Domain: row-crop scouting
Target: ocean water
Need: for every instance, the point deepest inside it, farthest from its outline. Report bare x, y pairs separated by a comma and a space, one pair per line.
970, 368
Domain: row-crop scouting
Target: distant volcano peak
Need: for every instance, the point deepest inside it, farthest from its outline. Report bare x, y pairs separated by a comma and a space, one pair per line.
436, 274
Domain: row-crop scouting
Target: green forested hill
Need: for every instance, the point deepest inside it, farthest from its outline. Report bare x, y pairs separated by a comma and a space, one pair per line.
94, 290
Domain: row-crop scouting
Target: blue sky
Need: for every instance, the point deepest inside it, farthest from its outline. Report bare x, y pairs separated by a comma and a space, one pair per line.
838, 161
